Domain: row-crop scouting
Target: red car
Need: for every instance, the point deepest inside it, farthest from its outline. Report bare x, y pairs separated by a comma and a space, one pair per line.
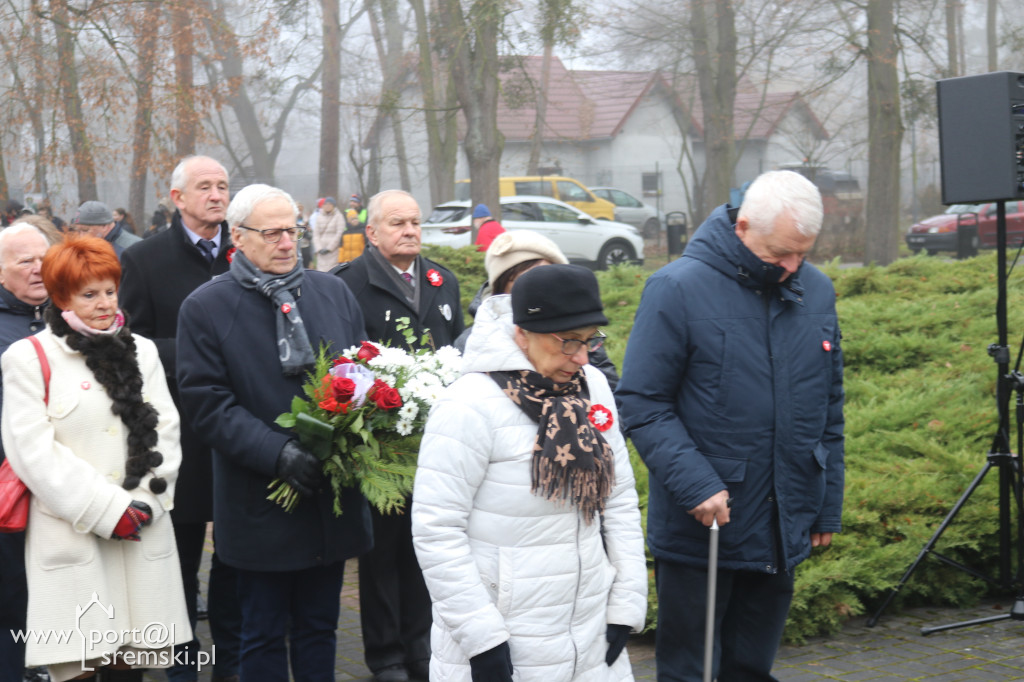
942, 232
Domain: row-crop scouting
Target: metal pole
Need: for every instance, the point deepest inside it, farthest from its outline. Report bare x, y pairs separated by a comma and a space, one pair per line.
709, 626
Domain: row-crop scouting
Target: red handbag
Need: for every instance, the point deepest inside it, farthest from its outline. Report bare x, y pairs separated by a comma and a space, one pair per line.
14, 496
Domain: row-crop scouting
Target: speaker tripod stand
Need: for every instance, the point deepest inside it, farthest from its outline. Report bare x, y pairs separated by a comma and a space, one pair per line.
1001, 458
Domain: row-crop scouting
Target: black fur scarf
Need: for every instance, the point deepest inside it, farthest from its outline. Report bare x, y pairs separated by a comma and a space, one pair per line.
112, 360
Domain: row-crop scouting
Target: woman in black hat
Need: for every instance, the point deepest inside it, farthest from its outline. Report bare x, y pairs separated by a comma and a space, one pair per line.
524, 514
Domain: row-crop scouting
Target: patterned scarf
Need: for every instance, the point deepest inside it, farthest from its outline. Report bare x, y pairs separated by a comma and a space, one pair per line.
293, 347
571, 459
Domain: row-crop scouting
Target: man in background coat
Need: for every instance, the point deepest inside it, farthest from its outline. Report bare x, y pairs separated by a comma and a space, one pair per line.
157, 275
392, 281
22, 301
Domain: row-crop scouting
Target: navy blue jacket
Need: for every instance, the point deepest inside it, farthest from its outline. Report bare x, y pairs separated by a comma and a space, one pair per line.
232, 389
732, 380
17, 320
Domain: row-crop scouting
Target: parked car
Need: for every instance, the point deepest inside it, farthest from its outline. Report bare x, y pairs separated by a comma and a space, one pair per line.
942, 232
629, 209
583, 239
572, 192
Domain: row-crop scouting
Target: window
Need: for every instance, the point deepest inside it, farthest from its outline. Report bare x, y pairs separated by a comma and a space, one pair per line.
570, 191
539, 188
650, 183
620, 198
446, 214
554, 213
519, 211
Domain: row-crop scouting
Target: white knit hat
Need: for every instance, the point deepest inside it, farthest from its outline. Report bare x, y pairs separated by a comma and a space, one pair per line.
513, 247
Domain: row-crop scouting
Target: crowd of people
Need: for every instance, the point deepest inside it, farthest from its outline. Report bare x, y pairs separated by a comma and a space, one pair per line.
143, 375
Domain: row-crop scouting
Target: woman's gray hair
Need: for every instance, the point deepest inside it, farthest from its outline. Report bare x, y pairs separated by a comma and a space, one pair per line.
248, 198
777, 193
16, 229
179, 178
373, 208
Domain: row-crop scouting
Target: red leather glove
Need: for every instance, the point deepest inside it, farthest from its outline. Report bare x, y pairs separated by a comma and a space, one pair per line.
137, 515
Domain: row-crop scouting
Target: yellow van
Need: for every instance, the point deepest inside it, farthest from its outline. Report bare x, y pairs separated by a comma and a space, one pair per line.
565, 189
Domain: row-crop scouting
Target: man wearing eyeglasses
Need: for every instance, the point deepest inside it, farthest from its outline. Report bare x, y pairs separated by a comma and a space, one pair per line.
392, 282
246, 342
157, 275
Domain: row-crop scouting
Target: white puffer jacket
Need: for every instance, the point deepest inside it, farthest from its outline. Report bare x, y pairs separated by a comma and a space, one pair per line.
502, 563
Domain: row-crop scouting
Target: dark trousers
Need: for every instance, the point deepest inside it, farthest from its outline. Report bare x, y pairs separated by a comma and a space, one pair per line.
394, 605
300, 606
13, 605
750, 614
225, 615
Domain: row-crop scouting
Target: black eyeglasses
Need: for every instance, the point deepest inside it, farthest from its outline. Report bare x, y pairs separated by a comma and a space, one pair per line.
273, 235
572, 346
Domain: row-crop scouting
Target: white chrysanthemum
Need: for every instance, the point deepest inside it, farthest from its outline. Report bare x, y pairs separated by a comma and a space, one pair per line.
392, 359
409, 411
403, 427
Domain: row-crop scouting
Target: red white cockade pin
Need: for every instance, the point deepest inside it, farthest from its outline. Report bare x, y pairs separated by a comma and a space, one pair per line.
285, 308
435, 277
601, 417
826, 345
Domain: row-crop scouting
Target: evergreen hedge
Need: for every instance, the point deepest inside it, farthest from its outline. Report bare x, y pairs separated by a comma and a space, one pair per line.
920, 419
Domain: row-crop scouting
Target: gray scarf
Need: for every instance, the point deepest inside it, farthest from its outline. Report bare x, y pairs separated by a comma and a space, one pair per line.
295, 353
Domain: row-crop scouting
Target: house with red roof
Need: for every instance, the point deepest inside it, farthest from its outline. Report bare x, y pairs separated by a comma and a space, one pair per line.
629, 129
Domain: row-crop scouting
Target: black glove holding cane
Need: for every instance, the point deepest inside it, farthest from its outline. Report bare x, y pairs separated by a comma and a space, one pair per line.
493, 665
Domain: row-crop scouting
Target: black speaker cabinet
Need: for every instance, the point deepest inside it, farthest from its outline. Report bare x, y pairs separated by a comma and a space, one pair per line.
981, 137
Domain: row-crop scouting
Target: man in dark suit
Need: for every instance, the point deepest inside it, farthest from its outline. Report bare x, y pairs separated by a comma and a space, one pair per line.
392, 281
246, 343
157, 275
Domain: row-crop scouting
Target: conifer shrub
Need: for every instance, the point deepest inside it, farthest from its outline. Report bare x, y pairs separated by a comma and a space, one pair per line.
920, 413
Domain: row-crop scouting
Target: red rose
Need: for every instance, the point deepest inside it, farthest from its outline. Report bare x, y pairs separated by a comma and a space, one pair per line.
230, 255
435, 278
384, 396
367, 351
341, 360
329, 404
343, 389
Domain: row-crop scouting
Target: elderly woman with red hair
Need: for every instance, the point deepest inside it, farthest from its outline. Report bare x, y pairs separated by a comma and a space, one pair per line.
96, 442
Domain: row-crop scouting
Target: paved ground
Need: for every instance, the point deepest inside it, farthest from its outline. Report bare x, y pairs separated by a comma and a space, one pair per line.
892, 651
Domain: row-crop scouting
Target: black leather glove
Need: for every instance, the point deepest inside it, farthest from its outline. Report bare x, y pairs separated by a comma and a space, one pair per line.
494, 665
616, 636
299, 468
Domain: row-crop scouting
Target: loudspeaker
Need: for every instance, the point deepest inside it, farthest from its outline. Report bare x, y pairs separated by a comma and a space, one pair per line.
981, 137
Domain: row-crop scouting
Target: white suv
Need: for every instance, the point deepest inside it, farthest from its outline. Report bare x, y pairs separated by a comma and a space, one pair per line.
583, 240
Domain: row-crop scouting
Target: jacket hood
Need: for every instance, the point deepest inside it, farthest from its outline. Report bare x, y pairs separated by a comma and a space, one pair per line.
491, 346
716, 244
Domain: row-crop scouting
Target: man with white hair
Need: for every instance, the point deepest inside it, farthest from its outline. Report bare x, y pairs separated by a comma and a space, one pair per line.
22, 301
732, 392
246, 341
157, 274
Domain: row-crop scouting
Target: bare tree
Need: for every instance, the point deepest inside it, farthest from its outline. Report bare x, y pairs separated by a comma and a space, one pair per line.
472, 39
81, 145
390, 52
885, 134
991, 38
148, 31
714, 54
439, 110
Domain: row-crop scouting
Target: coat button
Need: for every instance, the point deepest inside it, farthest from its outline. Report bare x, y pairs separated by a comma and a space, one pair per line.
494, 586
80, 527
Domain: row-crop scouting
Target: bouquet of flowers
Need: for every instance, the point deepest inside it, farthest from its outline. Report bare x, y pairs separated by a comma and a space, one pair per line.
363, 417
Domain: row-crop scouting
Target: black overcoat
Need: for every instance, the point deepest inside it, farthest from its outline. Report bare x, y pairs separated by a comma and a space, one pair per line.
232, 389
383, 302
157, 275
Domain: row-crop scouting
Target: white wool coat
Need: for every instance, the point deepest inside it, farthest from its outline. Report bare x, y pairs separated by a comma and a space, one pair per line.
71, 454
503, 564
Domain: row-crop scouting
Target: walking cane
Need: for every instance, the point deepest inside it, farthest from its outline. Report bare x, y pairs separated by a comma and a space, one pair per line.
709, 625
